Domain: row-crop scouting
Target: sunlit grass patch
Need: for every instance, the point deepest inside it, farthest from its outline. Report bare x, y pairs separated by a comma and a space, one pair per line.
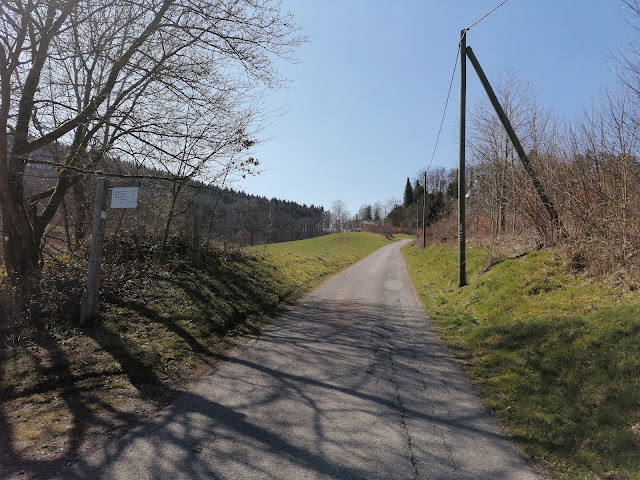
556, 357
307, 262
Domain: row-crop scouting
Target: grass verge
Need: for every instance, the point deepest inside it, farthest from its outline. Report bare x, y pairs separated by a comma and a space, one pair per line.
308, 262
556, 357
65, 389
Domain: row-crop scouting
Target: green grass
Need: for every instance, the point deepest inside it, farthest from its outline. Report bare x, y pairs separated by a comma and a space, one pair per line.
404, 235
556, 357
306, 263
354, 245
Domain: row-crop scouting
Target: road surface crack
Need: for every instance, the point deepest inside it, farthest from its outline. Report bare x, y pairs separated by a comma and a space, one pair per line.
398, 405
403, 421
419, 366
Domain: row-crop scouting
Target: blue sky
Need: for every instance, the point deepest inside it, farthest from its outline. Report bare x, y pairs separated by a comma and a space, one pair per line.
364, 112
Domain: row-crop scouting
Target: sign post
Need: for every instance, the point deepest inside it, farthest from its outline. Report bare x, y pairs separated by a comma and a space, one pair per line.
90, 295
121, 197
124, 197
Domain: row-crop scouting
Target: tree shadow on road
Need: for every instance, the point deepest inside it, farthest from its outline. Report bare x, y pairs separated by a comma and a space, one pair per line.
369, 362
103, 379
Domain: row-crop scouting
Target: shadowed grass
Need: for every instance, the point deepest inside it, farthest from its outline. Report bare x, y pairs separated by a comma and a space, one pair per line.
161, 325
557, 358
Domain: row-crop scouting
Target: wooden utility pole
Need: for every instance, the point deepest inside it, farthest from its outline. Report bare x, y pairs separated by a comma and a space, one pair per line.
196, 238
424, 210
90, 295
269, 225
462, 259
526, 162
417, 220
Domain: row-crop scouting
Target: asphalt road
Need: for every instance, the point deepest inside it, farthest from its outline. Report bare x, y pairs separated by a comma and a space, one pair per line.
352, 383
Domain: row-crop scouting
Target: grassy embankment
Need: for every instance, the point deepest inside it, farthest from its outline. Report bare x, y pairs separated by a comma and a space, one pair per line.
557, 357
161, 325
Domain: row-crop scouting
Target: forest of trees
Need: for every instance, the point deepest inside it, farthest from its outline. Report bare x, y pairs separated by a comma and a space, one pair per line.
417, 209
225, 215
248, 219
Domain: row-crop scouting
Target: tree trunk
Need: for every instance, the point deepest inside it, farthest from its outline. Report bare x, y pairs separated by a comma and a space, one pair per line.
80, 202
21, 251
167, 225
175, 192
67, 231
19, 239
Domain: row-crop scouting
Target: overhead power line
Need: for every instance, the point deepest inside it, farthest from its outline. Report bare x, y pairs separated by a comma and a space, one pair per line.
446, 104
481, 19
452, 79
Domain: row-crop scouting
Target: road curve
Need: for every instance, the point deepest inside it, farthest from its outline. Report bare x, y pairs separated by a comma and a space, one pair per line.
352, 383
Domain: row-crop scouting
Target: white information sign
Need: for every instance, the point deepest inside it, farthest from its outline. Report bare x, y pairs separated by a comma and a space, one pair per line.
124, 197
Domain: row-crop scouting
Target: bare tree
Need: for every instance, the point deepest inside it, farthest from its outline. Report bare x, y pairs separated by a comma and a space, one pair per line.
629, 61
106, 76
506, 189
378, 213
339, 216
365, 213
492, 154
601, 183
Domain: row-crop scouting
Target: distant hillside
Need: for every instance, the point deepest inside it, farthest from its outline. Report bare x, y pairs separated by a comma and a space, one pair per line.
167, 206
249, 219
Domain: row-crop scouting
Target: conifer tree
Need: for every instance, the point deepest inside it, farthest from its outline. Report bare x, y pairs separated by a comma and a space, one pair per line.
408, 194
418, 191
